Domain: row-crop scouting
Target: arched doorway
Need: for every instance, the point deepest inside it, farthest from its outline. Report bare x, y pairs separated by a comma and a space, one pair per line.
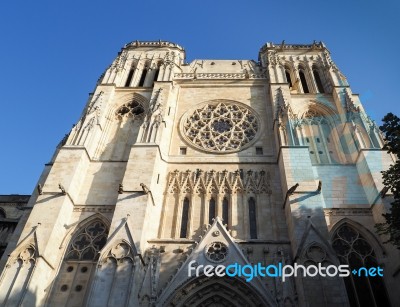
216, 292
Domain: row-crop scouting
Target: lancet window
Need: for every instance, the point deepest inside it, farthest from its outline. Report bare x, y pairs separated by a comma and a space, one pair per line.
354, 250
185, 218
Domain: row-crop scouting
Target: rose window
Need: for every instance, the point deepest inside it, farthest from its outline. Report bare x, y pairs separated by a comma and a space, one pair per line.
216, 251
221, 127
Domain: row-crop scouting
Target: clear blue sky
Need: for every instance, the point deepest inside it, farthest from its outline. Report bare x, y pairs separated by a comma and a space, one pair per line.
52, 53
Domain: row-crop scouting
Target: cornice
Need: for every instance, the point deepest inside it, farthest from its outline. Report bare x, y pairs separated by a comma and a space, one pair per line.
159, 44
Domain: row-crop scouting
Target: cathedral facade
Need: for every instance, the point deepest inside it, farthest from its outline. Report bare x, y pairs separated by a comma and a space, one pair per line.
174, 166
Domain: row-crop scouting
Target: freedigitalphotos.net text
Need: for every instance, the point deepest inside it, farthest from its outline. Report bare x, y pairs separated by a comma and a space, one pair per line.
283, 271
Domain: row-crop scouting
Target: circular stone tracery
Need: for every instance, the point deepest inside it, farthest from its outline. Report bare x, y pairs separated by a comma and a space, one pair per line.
222, 127
216, 251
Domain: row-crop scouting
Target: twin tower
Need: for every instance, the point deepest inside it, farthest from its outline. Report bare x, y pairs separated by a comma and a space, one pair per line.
209, 162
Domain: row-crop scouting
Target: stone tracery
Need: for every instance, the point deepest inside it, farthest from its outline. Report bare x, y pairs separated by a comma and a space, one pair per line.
130, 109
352, 248
216, 251
87, 244
221, 127
201, 182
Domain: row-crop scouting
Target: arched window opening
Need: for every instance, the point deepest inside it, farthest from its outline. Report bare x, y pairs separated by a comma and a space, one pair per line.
309, 129
17, 277
288, 78
156, 73
72, 283
252, 218
303, 81
331, 146
143, 77
321, 137
374, 139
225, 211
318, 81
132, 109
89, 241
211, 211
185, 218
354, 250
130, 76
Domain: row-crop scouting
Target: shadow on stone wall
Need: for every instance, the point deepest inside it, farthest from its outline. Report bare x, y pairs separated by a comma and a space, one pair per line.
24, 298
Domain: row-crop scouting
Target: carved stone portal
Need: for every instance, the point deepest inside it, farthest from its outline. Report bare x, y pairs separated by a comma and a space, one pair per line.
204, 291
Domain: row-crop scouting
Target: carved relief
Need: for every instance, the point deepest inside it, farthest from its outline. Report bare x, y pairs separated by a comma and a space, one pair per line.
27, 254
285, 292
121, 251
153, 119
238, 76
204, 291
17, 276
218, 182
119, 62
148, 292
80, 131
286, 119
350, 105
119, 267
347, 211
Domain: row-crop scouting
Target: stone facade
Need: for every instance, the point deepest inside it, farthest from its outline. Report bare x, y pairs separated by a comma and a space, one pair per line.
11, 210
208, 162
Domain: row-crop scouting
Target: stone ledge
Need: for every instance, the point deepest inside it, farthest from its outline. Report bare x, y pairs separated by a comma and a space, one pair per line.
347, 211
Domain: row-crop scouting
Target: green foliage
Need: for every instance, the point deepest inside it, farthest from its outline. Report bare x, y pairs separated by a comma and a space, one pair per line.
391, 180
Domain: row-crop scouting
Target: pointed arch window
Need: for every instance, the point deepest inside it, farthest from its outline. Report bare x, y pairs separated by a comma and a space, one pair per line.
321, 136
88, 242
72, 283
185, 218
143, 77
156, 73
2, 213
252, 218
211, 211
225, 211
303, 81
318, 81
119, 267
130, 76
288, 77
17, 276
354, 250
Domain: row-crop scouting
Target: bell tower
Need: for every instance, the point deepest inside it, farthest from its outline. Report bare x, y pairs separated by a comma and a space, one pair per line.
326, 144
111, 156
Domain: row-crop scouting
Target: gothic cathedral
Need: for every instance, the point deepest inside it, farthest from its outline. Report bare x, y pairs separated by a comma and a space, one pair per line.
174, 166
